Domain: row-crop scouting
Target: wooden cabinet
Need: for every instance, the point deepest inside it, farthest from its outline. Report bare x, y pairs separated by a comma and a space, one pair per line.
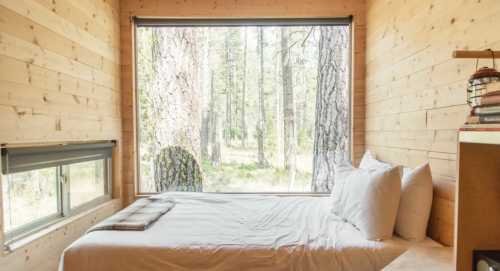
478, 195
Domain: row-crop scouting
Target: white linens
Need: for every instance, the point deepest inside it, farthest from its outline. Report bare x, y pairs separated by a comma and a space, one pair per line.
416, 203
219, 232
368, 198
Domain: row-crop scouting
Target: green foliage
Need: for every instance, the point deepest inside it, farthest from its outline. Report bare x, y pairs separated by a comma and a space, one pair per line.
238, 177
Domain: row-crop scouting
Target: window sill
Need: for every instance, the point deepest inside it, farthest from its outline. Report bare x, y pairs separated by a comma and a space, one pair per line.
58, 224
283, 194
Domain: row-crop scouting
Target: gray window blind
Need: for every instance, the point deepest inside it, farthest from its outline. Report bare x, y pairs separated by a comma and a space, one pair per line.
228, 22
18, 159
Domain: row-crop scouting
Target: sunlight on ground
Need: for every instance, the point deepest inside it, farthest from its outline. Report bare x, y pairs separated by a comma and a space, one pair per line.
239, 172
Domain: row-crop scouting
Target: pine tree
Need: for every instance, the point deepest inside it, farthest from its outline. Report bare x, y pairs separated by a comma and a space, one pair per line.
289, 136
261, 123
243, 125
331, 126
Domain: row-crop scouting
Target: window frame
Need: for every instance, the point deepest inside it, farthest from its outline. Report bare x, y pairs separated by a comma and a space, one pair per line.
64, 209
139, 21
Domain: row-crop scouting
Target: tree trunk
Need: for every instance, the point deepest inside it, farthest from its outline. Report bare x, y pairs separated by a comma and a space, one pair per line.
261, 123
243, 95
204, 134
173, 80
332, 125
177, 170
215, 156
290, 141
204, 79
229, 90
280, 161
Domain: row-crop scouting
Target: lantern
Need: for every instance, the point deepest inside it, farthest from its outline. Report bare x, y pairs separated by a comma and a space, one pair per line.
479, 80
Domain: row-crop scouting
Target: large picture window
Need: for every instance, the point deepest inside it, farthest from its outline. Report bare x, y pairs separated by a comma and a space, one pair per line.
40, 185
241, 105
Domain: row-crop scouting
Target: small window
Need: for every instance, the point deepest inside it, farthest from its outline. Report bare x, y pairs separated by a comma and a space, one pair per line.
87, 182
41, 185
29, 197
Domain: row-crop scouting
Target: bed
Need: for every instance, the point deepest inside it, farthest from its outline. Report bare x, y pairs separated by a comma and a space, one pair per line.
219, 232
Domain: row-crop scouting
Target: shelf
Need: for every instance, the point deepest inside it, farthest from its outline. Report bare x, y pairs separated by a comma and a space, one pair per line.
476, 54
480, 136
480, 127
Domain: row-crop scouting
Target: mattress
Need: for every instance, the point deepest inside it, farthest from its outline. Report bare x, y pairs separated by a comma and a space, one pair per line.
219, 232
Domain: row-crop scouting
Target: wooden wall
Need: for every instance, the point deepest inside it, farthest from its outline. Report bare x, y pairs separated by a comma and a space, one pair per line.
415, 91
59, 81
234, 9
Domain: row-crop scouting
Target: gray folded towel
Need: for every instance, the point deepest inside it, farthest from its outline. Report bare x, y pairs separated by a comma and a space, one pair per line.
138, 216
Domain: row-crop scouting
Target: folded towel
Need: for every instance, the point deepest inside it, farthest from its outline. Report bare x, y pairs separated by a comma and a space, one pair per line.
138, 216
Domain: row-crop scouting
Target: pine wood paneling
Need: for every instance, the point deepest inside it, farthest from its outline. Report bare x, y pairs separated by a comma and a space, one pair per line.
237, 9
415, 91
59, 81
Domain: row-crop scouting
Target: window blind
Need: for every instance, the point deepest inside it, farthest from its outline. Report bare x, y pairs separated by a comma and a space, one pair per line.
19, 159
229, 22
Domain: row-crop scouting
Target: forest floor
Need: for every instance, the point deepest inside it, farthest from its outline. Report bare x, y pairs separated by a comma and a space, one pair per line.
240, 172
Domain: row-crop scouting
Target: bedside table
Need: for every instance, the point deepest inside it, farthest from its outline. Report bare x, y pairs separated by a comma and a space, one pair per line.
419, 258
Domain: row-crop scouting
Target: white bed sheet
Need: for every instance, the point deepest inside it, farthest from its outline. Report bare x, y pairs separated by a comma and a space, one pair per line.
217, 232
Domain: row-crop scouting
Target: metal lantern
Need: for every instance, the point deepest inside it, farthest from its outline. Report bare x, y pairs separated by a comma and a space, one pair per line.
479, 80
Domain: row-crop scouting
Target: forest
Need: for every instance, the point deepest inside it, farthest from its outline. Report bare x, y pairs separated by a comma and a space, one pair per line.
259, 108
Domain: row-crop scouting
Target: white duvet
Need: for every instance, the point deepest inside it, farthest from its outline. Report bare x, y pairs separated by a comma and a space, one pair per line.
219, 232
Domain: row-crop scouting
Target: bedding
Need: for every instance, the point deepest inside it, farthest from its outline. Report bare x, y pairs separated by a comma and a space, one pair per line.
416, 198
370, 162
368, 198
138, 216
219, 232
415, 204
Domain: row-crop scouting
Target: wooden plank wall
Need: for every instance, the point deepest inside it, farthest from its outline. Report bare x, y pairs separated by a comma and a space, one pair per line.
59, 81
235, 9
415, 91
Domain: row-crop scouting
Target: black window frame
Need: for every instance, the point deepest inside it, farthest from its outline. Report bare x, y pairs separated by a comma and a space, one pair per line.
139, 21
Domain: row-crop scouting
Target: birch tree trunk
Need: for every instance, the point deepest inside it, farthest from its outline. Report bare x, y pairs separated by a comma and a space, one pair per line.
289, 133
332, 124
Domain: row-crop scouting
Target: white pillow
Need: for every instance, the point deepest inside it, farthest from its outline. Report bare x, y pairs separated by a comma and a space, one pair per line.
367, 198
369, 162
415, 204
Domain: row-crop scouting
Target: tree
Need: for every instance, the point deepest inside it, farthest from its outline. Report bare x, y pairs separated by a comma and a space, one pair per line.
278, 104
228, 131
177, 170
204, 74
168, 79
204, 134
215, 156
243, 125
289, 137
331, 125
261, 122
